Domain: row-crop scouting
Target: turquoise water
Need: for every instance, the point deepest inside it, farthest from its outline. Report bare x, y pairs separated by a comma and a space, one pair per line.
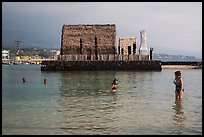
79, 102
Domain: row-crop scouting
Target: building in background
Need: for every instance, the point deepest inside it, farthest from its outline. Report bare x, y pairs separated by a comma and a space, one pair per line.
5, 54
88, 40
54, 54
127, 46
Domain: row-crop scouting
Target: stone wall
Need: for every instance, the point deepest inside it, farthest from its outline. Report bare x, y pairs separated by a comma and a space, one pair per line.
101, 65
88, 39
125, 43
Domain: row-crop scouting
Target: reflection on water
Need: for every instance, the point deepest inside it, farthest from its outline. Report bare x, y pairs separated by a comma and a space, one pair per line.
87, 108
179, 115
80, 102
87, 115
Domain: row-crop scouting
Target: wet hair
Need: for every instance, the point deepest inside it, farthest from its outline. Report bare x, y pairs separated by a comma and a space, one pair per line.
178, 73
114, 81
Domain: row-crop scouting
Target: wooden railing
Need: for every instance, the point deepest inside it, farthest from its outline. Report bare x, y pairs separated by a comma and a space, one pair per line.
104, 57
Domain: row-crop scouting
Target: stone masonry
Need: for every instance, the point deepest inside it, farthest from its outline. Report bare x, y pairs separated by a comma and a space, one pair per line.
93, 47
88, 39
127, 46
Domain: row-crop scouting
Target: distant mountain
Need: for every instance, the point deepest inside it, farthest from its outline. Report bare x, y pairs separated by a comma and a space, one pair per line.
167, 57
155, 56
24, 47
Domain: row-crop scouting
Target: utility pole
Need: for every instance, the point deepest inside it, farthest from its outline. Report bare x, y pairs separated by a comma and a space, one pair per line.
17, 45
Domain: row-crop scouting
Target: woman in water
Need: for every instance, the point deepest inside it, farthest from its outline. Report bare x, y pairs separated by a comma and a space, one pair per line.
179, 85
114, 85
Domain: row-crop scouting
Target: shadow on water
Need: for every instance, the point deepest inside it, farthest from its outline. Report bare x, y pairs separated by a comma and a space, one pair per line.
178, 117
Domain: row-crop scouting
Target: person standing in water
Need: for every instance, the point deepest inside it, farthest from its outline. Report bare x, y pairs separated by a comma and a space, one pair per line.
179, 85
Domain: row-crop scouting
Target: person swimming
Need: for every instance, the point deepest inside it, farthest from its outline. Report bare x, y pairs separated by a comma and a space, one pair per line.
45, 81
114, 85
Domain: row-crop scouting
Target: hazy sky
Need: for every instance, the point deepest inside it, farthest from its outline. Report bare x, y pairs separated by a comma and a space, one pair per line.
172, 27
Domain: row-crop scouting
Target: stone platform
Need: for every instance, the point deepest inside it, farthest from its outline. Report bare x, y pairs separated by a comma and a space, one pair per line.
61, 65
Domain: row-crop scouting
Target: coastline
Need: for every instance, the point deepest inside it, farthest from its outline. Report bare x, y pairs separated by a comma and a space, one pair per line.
179, 67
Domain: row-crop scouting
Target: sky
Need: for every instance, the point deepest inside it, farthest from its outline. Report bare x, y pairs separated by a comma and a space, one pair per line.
172, 27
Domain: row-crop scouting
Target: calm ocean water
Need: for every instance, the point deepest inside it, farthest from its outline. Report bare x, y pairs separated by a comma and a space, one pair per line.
79, 102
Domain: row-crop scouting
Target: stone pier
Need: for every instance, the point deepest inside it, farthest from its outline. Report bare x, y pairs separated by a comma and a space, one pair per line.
61, 65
